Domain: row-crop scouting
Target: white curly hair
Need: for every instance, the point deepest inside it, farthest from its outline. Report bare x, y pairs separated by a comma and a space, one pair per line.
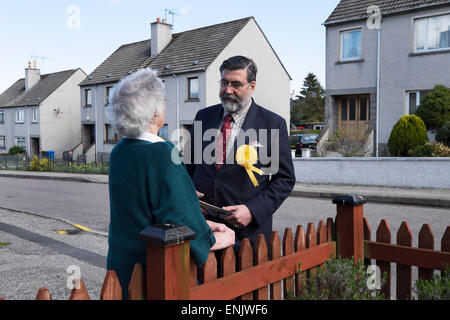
135, 101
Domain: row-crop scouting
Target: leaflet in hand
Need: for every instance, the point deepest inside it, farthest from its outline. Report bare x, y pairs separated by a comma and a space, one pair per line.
215, 211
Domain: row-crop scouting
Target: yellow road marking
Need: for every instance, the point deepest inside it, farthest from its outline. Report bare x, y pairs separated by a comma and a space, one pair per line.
81, 227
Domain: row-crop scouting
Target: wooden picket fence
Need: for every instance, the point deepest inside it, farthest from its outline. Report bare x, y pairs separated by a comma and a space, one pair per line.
275, 269
405, 256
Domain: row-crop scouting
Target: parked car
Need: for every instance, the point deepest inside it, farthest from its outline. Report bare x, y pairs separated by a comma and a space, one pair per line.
305, 140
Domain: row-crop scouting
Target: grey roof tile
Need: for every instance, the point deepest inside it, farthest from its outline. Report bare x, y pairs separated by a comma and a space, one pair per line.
12, 92
16, 95
202, 45
348, 10
126, 58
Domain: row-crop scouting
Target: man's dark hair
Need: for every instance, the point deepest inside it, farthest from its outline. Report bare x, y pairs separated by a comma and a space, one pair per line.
240, 63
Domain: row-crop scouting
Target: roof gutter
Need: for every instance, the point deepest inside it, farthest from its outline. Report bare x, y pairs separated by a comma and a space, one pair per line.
170, 73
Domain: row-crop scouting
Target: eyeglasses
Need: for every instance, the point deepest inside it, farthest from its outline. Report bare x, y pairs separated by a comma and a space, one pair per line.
234, 84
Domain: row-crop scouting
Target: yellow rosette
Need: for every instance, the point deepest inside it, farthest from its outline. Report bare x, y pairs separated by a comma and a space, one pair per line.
247, 156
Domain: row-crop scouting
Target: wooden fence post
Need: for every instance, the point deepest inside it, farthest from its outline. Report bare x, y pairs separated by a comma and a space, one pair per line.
349, 226
168, 260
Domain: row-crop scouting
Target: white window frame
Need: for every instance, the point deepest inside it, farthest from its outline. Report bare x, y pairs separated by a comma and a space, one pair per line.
35, 115
24, 142
18, 113
408, 92
415, 50
2, 116
3, 140
418, 98
341, 44
190, 79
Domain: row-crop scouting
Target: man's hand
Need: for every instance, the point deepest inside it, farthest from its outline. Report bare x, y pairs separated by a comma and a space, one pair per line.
199, 194
241, 216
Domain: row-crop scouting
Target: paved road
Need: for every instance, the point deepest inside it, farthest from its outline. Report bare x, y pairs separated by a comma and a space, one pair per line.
83, 203
87, 204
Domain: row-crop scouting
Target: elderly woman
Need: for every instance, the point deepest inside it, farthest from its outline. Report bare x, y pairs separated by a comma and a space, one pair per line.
145, 185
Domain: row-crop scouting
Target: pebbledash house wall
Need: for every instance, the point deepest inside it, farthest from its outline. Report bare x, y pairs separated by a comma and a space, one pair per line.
400, 69
61, 131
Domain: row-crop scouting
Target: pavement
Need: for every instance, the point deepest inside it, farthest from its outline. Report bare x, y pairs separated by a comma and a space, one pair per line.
38, 251
412, 196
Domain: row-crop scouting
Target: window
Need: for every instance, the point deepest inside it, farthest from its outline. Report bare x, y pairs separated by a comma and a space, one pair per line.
192, 88
108, 90
432, 33
2, 142
20, 116
2, 116
414, 99
20, 141
35, 115
364, 111
87, 98
110, 134
351, 45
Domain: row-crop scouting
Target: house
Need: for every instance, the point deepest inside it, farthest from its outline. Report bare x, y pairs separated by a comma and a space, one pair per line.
188, 62
42, 112
414, 56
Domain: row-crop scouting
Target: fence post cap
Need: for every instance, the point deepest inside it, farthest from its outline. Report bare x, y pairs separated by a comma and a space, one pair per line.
349, 200
164, 235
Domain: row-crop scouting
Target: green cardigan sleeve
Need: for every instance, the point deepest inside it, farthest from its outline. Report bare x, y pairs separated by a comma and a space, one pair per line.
174, 200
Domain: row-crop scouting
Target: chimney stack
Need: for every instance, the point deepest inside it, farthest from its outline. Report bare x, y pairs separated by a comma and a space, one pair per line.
32, 76
161, 36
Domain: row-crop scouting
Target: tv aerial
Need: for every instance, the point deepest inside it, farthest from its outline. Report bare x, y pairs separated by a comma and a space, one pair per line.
173, 13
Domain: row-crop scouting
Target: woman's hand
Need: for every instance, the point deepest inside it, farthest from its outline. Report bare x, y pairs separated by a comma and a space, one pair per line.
224, 235
216, 227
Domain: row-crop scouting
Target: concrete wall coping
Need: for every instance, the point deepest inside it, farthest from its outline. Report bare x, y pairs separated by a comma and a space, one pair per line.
398, 159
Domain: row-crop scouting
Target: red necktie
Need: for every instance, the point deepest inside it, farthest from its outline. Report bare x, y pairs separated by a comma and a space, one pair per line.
225, 135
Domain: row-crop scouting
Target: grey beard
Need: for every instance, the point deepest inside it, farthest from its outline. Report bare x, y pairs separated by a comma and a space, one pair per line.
232, 107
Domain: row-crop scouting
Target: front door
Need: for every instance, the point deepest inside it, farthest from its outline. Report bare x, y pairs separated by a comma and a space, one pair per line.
35, 147
354, 115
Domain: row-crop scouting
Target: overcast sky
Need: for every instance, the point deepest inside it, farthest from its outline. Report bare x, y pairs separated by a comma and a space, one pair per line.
50, 30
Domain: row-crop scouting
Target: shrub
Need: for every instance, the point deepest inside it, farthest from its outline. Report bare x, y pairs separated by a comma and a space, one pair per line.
443, 134
346, 144
39, 165
438, 288
16, 150
431, 149
408, 133
341, 279
435, 108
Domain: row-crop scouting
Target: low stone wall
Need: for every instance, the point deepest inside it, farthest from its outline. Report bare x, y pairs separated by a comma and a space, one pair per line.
391, 172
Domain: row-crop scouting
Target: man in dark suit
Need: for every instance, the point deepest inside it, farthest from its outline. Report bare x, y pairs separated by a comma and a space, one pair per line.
225, 171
